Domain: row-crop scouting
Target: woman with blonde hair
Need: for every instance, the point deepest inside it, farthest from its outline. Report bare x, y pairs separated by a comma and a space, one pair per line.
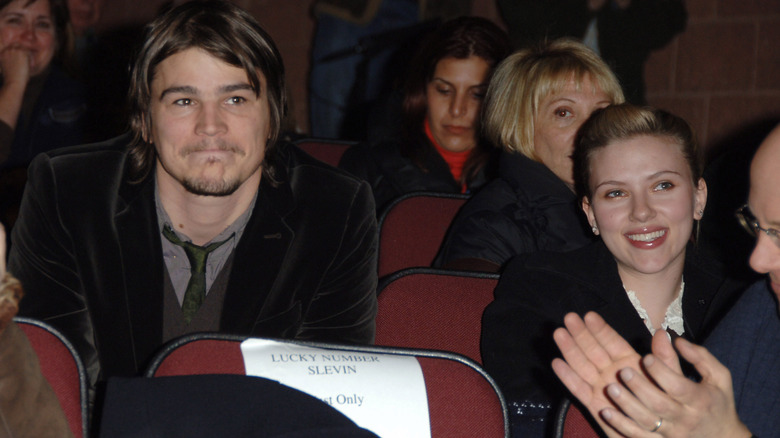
537, 100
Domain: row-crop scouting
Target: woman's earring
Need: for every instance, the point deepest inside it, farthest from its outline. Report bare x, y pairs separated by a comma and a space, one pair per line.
595, 230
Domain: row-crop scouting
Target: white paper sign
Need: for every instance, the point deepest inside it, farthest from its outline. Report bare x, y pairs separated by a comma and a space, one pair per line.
382, 393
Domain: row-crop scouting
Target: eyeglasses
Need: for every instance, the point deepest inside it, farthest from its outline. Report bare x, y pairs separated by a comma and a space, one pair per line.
750, 224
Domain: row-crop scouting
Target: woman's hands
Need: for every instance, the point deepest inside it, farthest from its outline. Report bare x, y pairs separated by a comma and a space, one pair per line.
15, 70
687, 408
15, 64
645, 397
594, 353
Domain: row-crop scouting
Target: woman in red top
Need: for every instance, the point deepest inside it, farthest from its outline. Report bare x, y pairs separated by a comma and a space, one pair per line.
438, 146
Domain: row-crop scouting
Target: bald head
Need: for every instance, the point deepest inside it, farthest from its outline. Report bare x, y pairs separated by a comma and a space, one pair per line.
765, 167
764, 203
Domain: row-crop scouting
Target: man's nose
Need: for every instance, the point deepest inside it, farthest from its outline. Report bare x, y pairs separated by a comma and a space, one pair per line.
210, 121
766, 254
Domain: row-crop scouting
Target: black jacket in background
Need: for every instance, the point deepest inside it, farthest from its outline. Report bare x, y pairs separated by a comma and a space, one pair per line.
526, 209
392, 175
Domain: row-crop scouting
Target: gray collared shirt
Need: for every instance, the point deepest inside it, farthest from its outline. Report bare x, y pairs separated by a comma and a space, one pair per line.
176, 260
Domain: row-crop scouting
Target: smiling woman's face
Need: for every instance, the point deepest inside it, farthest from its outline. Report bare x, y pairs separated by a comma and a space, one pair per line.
31, 28
454, 98
644, 202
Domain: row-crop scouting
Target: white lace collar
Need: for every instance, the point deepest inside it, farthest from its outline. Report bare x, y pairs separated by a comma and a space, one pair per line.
674, 313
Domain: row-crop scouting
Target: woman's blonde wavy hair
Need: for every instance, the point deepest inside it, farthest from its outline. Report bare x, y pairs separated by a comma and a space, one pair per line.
524, 79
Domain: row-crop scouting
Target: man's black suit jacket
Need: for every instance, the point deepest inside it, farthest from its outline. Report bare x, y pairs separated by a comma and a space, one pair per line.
87, 250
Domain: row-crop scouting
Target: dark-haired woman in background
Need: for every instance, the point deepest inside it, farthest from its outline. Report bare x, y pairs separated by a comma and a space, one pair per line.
438, 147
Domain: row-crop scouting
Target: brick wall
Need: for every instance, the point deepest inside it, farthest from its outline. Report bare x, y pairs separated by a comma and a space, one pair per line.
723, 73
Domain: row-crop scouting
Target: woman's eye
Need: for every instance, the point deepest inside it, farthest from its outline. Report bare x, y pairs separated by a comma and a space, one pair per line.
562, 112
43, 25
613, 194
664, 185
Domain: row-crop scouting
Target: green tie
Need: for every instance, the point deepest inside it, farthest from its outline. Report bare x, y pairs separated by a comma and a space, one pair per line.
196, 288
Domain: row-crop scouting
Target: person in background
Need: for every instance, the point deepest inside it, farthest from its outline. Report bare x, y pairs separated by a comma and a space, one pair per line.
739, 393
638, 177
622, 32
535, 103
198, 219
84, 16
41, 106
439, 146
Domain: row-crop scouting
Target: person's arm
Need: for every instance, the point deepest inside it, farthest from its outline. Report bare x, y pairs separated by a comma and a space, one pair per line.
344, 309
15, 68
598, 362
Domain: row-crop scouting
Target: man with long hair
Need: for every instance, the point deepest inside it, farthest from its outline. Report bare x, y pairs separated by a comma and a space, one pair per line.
199, 219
